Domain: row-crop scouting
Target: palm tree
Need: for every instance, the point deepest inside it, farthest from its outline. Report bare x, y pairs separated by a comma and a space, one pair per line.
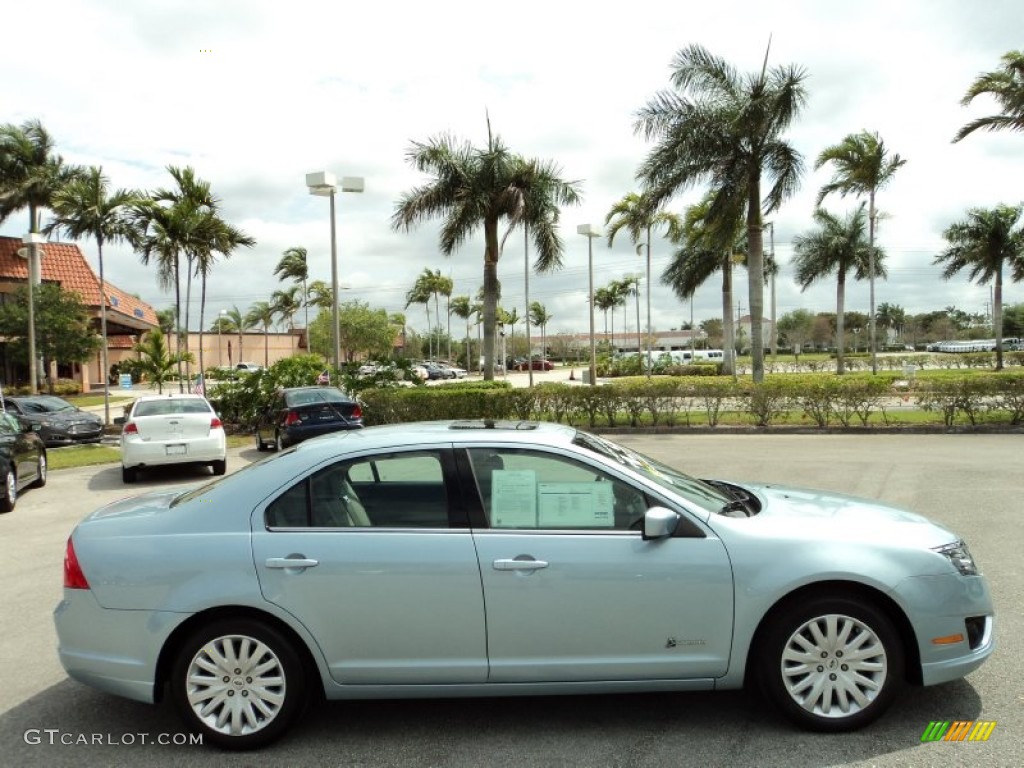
320, 295
421, 293
262, 313
986, 242
509, 318
891, 316
630, 285
460, 306
862, 166
31, 174
632, 213
706, 247
155, 359
86, 207
836, 247
239, 322
478, 187
286, 304
540, 317
226, 239
294, 266
605, 300
730, 133
1006, 86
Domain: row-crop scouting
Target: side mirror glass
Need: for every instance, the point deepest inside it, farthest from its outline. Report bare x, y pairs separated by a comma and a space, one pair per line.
659, 523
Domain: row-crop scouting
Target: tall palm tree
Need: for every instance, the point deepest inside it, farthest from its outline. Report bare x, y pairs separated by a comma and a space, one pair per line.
262, 313
605, 300
294, 265
461, 307
985, 243
540, 317
240, 323
320, 295
286, 303
891, 316
838, 247
478, 187
31, 174
727, 130
86, 207
862, 166
509, 317
421, 293
630, 286
633, 213
707, 246
226, 239
1006, 86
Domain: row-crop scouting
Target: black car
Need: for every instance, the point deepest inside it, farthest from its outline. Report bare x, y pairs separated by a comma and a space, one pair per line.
22, 460
300, 413
57, 421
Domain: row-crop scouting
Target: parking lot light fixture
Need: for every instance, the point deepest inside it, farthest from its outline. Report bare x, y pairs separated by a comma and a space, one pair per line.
589, 231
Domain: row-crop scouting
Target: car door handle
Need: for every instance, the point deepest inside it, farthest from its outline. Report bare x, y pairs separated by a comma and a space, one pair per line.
291, 562
519, 565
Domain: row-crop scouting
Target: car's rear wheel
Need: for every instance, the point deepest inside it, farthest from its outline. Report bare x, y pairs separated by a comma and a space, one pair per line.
219, 467
831, 664
239, 683
129, 474
41, 479
10, 495
260, 445
278, 442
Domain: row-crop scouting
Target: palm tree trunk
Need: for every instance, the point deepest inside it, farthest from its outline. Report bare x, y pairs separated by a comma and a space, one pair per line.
103, 332
266, 346
177, 320
728, 328
997, 317
840, 321
755, 263
871, 280
188, 309
490, 294
202, 313
526, 288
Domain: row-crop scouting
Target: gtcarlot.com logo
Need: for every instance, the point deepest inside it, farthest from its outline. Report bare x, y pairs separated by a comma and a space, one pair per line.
958, 730
51, 736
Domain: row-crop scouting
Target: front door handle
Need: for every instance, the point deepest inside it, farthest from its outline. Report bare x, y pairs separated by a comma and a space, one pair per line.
288, 563
520, 565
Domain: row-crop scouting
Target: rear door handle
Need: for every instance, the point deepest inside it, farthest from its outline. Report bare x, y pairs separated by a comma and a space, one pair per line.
298, 563
519, 565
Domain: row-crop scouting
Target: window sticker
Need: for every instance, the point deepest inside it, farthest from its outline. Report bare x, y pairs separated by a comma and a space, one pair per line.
575, 505
513, 498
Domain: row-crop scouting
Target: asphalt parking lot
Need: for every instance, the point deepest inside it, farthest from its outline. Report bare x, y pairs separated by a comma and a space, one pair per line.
971, 483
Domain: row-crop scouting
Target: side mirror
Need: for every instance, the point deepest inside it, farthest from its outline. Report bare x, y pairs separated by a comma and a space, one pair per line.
659, 523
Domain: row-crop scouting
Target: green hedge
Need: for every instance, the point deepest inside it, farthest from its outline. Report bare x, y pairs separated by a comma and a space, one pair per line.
666, 401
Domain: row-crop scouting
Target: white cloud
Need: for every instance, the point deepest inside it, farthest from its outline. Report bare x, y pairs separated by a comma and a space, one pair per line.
256, 94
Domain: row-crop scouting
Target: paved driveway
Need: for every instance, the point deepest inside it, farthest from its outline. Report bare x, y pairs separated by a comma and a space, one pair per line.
973, 483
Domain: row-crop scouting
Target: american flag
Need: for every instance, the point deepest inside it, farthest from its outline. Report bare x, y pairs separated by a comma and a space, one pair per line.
198, 388
324, 378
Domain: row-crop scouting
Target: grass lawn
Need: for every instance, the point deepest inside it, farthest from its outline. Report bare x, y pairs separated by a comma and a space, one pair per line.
73, 456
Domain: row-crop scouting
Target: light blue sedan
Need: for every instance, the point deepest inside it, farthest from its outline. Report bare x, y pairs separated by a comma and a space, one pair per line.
491, 559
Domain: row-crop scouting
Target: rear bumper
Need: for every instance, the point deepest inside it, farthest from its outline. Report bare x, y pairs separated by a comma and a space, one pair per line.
140, 453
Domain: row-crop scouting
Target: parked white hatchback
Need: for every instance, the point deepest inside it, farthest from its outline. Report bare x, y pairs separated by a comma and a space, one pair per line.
172, 429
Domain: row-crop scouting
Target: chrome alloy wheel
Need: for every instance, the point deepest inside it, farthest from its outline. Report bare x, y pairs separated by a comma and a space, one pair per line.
235, 685
834, 666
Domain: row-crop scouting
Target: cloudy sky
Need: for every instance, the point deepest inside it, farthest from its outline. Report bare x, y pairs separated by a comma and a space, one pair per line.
254, 94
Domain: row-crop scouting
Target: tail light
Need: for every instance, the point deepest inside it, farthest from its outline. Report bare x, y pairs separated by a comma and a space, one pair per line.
357, 412
130, 428
291, 418
216, 423
74, 578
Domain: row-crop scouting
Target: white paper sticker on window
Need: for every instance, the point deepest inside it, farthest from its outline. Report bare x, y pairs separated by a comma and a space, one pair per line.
575, 505
513, 498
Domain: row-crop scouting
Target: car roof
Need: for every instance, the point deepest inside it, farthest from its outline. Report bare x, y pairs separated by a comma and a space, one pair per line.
170, 396
463, 432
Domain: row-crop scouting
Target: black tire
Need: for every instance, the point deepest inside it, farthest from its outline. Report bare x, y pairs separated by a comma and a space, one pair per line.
129, 474
790, 661
278, 442
41, 480
9, 496
260, 445
219, 467
281, 695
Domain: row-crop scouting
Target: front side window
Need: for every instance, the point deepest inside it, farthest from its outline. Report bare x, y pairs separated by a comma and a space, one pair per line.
526, 489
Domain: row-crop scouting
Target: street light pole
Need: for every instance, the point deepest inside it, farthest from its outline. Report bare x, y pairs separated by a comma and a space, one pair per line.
325, 184
589, 231
32, 242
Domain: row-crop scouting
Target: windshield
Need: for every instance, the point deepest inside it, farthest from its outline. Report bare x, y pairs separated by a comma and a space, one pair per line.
690, 488
47, 405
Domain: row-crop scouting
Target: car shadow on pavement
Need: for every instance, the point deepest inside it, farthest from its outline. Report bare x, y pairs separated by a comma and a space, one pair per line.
70, 724
108, 478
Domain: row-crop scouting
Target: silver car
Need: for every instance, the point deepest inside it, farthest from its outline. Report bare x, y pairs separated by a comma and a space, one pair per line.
488, 559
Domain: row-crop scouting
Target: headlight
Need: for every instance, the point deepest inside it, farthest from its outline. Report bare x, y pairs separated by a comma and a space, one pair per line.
960, 557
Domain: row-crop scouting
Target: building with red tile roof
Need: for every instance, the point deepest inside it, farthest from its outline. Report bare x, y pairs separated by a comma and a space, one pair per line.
128, 317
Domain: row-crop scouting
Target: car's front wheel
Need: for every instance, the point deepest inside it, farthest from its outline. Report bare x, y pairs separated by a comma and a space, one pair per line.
239, 683
831, 664
40, 480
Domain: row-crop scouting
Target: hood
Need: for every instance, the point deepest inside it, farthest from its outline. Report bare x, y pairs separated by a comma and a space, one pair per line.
69, 417
802, 510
